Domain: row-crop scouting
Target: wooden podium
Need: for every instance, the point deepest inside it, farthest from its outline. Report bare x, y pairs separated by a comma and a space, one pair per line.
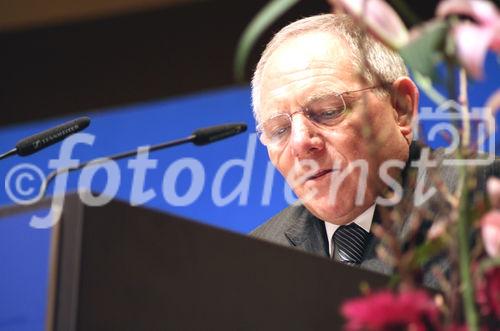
119, 267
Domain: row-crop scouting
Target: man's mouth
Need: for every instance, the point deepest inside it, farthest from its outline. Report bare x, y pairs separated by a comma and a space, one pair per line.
320, 174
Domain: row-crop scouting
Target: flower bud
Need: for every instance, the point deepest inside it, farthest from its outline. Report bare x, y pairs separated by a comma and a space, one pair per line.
490, 231
493, 188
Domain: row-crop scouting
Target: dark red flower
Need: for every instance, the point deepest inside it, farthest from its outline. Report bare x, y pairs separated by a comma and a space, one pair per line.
385, 311
488, 293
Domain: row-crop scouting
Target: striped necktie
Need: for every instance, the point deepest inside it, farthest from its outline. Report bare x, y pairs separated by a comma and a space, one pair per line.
349, 243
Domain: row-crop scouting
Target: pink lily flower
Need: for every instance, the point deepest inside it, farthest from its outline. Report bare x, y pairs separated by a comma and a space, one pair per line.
380, 19
473, 38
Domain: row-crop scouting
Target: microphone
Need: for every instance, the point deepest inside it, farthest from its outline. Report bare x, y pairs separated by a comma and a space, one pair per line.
214, 133
199, 137
39, 141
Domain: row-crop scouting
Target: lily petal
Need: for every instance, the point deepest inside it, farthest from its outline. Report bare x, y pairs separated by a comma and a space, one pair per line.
380, 19
495, 42
484, 12
490, 231
472, 43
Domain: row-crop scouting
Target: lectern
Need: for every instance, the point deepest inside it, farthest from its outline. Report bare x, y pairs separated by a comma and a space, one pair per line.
118, 267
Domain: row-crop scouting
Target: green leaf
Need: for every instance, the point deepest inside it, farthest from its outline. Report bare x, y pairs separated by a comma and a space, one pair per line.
487, 264
264, 18
422, 54
426, 251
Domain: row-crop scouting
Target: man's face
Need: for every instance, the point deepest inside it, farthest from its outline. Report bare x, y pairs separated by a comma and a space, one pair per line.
302, 74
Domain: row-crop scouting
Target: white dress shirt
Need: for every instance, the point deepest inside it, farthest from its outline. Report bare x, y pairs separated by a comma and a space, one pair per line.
364, 220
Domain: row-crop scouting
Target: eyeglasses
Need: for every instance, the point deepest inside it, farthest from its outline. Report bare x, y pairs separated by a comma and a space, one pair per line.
276, 130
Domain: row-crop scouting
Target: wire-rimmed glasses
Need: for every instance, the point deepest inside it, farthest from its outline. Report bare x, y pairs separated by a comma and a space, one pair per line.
276, 130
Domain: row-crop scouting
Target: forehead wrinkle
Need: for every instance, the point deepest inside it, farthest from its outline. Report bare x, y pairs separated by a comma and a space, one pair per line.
317, 64
320, 95
302, 74
297, 80
280, 93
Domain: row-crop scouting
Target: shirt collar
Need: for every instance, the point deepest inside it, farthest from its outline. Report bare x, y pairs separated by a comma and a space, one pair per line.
364, 220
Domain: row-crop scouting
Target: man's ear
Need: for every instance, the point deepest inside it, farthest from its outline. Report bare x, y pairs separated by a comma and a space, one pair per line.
404, 100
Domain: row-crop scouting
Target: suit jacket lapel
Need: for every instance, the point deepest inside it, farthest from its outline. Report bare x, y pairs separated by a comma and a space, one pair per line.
308, 233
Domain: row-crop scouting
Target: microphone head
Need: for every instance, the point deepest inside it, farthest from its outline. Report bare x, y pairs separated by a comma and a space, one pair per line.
51, 136
214, 133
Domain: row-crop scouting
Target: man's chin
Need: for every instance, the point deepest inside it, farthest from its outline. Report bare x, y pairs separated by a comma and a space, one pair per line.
339, 211
335, 213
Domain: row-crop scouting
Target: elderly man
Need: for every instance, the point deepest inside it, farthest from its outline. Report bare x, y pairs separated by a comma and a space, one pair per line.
332, 107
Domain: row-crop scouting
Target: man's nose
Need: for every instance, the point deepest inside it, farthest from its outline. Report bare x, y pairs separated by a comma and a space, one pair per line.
306, 139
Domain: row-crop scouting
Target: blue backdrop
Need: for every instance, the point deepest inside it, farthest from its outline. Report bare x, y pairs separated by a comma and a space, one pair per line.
24, 250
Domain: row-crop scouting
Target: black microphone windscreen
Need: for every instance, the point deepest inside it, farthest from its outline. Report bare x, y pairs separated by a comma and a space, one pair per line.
51, 136
215, 133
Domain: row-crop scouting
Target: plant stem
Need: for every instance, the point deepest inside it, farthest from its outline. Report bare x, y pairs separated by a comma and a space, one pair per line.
463, 224
466, 287
425, 85
464, 102
463, 255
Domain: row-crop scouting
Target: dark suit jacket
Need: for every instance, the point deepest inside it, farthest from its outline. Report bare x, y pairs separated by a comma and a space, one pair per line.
296, 227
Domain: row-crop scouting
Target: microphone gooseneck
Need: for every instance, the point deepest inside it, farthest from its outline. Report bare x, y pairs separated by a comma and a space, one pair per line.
7, 154
199, 137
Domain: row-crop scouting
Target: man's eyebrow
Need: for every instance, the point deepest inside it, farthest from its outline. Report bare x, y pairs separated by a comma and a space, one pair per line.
320, 95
